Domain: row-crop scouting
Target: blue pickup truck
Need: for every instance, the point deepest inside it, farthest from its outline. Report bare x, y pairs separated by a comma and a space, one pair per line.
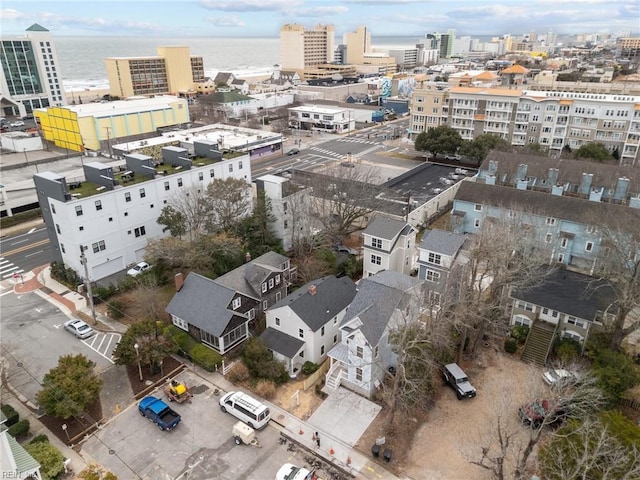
159, 413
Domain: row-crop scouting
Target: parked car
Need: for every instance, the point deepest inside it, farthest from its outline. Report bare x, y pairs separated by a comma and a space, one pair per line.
79, 328
138, 269
347, 250
348, 164
455, 377
18, 123
289, 471
559, 376
543, 412
453, 157
293, 151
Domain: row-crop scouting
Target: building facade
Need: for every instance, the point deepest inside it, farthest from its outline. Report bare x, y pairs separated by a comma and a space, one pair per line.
96, 126
553, 119
30, 76
388, 244
301, 48
110, 213
173, 71
322, 118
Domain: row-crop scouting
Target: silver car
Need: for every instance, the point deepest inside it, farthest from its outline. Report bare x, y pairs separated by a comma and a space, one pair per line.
79, 328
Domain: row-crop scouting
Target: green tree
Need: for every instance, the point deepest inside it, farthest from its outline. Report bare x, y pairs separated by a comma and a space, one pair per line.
616, 373
442, 139
593, 151
260, 362
215, 255
69, 388
173, 221
255, 229
49, 457
154, 344
478, 148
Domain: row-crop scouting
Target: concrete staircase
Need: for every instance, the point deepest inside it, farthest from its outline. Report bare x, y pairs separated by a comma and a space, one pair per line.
334, 376
539, 342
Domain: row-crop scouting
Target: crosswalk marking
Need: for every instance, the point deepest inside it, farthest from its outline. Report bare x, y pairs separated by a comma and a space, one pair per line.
8, 269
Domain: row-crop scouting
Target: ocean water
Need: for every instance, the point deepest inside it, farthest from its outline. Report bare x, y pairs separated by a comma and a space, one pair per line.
81, 59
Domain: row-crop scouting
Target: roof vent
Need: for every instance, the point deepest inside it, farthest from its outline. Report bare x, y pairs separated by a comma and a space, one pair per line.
313, 290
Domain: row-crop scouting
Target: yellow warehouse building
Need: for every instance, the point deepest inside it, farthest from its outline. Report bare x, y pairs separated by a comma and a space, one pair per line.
94, 126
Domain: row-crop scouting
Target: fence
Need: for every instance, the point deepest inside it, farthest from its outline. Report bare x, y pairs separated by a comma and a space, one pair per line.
314, 377
630, 403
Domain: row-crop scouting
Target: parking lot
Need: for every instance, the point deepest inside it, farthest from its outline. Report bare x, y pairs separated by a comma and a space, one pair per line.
200, 448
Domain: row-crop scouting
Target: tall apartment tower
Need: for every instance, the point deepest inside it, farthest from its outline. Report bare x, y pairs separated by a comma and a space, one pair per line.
300, 48
172, 71
358, 43
30, 77
447, 42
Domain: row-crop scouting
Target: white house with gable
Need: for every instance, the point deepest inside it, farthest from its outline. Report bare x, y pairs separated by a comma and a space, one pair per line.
388, 244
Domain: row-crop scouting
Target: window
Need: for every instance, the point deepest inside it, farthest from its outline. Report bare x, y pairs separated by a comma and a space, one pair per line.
278, 279
563, 243
179, 182
81, 228
376, 242
265, 304
524, 306
522, 321
432, 276
57, 228
376, 260
322, 350
236, 303
140, 231
572, 335
434, 258
302, 354
561, 258
476, 223
62, 248
322, 331
271, 280
550, 221
98, 204
78, 210
548, 237
359, 352
211, 173
111, 219
98, 246
230, 167
264, 287
574, 321
277, 321
589, 247
252, 314
180, 323
200, 176
240, 165
127, 197
375, 352
53, 208
166, 186
477, 207
142, 194
359, 374
301, 333
335, 339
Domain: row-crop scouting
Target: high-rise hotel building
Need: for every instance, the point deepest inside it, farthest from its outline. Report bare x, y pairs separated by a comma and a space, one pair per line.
173, 71
302, 49
30, 77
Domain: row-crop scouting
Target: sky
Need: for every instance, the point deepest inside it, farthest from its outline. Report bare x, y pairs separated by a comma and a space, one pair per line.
263, 18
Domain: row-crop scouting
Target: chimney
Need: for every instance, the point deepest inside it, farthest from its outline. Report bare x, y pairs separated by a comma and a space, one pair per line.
247, 257
312, 290
178, 278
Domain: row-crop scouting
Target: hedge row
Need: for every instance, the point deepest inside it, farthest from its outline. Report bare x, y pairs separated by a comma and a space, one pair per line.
11, 414
195, 351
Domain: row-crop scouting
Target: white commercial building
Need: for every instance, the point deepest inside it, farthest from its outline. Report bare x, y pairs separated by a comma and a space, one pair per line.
111, 213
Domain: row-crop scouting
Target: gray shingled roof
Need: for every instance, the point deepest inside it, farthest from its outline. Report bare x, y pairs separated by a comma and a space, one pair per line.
248, 277
203, 303
567, 208
377, 299
281, 343
384, 227
332, 296
571, 293
440, 241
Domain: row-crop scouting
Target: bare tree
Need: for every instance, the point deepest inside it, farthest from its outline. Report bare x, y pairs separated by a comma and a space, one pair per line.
191, 206
310, 267
227, 201
172, 251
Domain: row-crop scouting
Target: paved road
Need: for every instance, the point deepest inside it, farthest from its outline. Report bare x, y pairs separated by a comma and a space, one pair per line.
24, 251
34, 338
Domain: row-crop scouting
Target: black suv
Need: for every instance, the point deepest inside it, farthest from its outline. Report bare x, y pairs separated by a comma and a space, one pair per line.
454, 376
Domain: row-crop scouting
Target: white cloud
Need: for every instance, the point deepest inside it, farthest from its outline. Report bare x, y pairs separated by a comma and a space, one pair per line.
251, 5
226, 21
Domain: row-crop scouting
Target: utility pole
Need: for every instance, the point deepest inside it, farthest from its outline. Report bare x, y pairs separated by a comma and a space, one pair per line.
87, 284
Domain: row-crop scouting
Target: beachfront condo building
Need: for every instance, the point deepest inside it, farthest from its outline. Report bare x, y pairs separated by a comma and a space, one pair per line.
553, 119
173, 71
30, 77
301, 49
96, 126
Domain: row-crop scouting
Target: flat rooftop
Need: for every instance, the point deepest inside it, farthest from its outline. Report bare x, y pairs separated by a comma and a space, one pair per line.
123, 107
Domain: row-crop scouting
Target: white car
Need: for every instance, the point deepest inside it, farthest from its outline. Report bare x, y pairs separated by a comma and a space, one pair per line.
79, 328
558, 376
19, 123
289, 471
138, 269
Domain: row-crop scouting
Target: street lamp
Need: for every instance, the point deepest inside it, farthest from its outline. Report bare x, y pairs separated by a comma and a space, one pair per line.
137, 347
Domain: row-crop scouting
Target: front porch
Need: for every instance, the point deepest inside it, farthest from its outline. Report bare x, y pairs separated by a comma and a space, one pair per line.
339, 357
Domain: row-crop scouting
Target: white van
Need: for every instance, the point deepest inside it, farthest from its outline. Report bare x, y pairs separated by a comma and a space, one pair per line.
246, 408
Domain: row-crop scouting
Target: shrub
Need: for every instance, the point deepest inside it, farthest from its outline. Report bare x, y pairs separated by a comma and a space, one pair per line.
18, 218
567, 349
239, 373
50, 459
309, 367
261, 363
184, 341
117, 308
39, 438
205, 357
19, 429
266, 389
510, 345
104, 293
519, 333
616, 373
11, 414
